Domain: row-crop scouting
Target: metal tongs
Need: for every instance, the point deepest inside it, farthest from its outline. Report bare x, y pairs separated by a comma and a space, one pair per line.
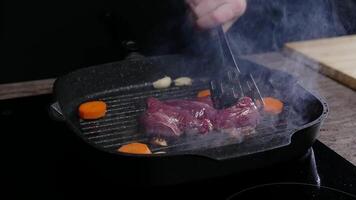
230, 84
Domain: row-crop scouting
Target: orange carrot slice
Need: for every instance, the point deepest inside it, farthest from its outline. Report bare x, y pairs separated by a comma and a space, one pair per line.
92, 110
135, 148
272, 105
204, 93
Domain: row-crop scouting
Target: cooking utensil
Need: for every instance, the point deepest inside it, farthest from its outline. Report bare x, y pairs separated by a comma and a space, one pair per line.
230, 84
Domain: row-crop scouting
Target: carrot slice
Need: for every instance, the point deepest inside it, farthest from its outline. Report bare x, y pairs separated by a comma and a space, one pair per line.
92, 110
204, 93
272, 105
135, 148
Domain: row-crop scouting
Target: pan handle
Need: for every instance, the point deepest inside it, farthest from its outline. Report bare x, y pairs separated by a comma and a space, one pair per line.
55, 112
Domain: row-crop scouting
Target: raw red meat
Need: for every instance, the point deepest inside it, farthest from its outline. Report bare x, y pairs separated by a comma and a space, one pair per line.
234, 120
162, 119
172, 118
199, 109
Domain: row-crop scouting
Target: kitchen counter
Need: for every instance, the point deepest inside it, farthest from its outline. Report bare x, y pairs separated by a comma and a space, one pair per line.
338, 131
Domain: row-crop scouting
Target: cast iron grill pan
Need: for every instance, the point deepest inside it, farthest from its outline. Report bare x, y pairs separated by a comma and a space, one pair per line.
125, 86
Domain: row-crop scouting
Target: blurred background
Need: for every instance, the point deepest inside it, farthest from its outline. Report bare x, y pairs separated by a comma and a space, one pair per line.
44, 39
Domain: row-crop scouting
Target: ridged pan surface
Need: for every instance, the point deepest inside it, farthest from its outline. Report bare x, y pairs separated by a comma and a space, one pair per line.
126, 85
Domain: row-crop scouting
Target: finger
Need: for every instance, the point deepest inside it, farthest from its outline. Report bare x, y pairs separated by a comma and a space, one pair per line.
206, 7
222, 14
227, 25
238, 6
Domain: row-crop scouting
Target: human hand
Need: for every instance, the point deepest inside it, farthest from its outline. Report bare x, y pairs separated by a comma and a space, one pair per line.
211, 13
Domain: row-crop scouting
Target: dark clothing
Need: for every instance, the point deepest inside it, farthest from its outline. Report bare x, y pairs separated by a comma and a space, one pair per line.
268, 27
48, 39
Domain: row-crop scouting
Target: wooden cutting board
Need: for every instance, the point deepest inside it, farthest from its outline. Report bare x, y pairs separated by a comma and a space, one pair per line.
335, 56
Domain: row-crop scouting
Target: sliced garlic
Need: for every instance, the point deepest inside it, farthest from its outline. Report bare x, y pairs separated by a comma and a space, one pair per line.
183, 81
160, 142
162, 83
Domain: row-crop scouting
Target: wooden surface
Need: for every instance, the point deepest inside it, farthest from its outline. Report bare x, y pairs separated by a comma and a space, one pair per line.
24, 89
338, 131
336, 56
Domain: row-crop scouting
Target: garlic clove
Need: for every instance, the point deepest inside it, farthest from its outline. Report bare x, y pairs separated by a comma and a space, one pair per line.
183, 81
162, 83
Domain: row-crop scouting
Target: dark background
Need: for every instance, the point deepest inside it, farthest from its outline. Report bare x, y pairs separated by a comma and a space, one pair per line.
43, 39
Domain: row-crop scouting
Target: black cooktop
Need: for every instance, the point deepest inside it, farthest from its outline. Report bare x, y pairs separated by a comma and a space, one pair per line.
40, 160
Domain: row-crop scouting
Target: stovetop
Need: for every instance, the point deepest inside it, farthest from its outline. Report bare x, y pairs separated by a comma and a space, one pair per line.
40, 159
